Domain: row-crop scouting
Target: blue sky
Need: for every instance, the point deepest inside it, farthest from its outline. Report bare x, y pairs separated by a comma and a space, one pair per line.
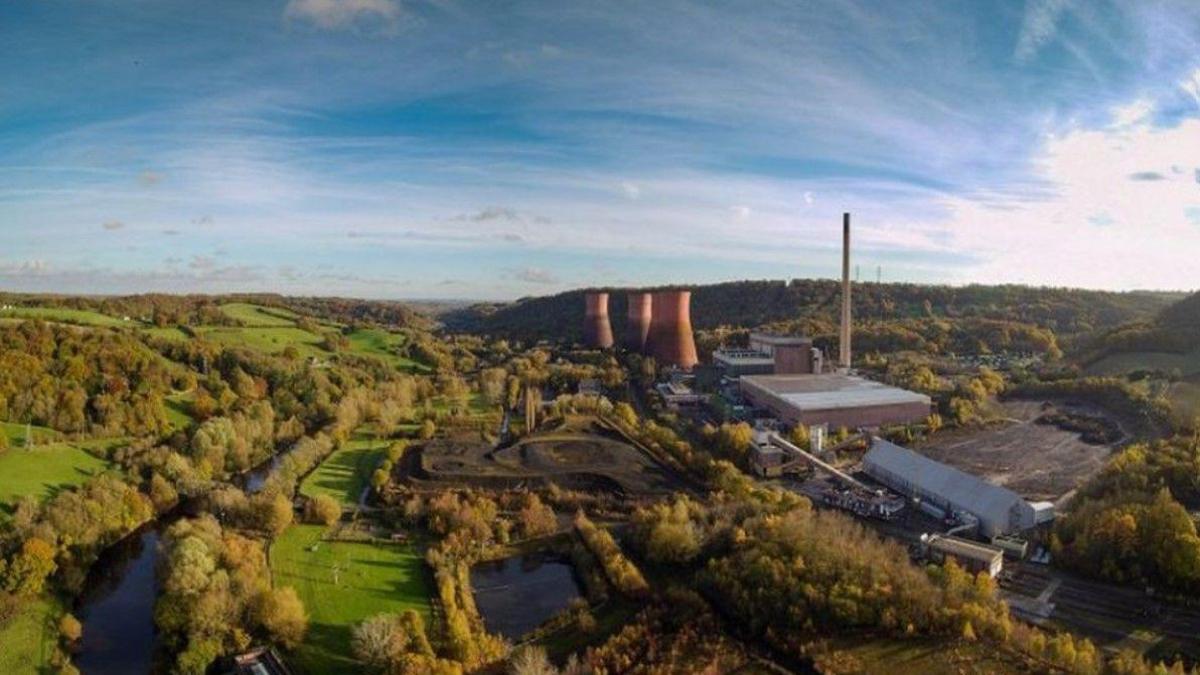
403, 149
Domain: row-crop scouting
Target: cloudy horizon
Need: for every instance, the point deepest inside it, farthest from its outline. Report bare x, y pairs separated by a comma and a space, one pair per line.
445, 149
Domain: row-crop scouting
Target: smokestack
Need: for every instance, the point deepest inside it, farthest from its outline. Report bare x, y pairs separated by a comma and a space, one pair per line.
597, 331
670, 340
638, 324
844, 338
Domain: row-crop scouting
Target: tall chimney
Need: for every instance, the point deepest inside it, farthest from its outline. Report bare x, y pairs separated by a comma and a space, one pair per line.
844, 338
597, 331
637, 326
670, 340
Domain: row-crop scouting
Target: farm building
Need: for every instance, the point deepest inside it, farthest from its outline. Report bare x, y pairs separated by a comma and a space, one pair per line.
833, 399
998, 509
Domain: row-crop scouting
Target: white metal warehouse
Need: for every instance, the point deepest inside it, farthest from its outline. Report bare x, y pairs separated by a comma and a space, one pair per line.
999, 510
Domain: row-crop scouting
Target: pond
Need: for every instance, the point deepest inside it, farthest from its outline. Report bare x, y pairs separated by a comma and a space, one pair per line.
117, 608
518, 594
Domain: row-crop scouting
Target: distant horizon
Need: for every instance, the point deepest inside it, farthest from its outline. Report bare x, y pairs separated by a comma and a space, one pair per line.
681, 285
412, 148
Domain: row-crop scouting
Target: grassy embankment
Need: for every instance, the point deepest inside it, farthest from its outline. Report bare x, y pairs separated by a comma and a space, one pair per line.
341, 584
29, 639
51, 465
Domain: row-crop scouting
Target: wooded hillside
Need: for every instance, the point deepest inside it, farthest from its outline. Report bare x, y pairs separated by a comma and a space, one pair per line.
749, 304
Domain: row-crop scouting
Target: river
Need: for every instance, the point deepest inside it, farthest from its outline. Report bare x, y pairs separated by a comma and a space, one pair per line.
117, 608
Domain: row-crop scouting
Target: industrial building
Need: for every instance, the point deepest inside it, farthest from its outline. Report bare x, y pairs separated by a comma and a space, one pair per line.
971, 556
597, 330
952, 492
637, 324
670, 340
770, 355
833, 399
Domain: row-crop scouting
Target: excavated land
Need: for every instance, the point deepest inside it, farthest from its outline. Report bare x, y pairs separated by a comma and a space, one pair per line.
581, 454
1037, 461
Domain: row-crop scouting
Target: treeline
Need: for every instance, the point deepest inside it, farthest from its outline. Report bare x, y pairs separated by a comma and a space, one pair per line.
1147, 417
757, 303
624, 576
785, 574
1128, 523
162, 309
1176, 329
159, 309
217, 596
81, 381
64, 536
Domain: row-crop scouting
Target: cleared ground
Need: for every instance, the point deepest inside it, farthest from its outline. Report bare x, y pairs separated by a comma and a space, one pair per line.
346, 473
341, 584
41, 471
1037, 461
582, 454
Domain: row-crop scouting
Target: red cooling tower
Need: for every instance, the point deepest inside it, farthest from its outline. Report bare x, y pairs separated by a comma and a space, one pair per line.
670, 341
597, 331
638, 321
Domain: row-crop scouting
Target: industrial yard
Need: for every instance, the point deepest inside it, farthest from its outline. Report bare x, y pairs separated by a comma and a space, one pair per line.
580, 454
1037, 461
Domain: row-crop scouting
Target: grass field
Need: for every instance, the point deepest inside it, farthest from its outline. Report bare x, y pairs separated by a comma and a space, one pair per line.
43, 471
382, 344
370, 579
345, 473
169, 333
29, 639
15, 433
257, 315
1119, 364
79, 316
270, 340
179, 410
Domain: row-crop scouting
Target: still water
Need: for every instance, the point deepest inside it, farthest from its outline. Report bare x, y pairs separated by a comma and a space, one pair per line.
516, 595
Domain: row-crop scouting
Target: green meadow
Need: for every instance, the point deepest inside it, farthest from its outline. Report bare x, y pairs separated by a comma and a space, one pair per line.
380, 343
29, 639
64, 315
341, 584
42, 470
345, 473
257, 315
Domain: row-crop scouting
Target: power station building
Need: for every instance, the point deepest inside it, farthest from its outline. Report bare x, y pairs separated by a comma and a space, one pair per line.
637, 325
770, 355
597, 329
997, 509
833, 399
670, 340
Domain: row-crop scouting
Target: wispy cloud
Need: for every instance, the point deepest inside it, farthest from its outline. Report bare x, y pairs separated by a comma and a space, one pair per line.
1038, 27
370, 15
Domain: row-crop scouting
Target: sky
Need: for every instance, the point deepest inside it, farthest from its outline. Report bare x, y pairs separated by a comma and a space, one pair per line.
499, 149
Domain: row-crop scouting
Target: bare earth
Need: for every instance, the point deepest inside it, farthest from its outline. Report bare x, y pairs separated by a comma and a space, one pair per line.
1037, 461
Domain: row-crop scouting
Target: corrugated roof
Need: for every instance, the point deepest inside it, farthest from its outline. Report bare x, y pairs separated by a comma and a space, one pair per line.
966, 492
832, 391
